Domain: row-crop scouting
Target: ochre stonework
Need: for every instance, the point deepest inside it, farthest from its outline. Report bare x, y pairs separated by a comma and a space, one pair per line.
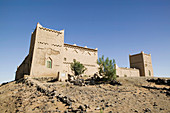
50, 56
140, 65
142, 62
127, 72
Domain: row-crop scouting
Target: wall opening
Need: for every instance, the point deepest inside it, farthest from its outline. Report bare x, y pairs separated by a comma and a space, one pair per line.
149, 73
65, 59
49, 63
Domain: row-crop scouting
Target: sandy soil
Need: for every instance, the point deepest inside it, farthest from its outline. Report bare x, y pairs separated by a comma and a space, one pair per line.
134, 95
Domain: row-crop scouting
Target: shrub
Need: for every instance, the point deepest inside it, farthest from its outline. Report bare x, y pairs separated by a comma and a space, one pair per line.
77, 68
106, 68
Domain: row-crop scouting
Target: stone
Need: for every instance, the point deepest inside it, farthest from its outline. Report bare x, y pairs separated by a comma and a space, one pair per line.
136, 110
92, 82
106, 105
69, 103
82, 108
52, 101
146, 110
161, 108
102, 101
86, 106
97, 108
66, 111
154, 104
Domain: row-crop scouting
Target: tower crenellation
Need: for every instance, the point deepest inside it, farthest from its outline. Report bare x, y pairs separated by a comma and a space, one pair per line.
49, 56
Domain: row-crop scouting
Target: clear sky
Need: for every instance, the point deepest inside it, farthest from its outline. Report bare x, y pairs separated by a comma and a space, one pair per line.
116, 27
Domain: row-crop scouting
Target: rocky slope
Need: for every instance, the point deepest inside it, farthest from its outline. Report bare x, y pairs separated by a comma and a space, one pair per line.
134, 95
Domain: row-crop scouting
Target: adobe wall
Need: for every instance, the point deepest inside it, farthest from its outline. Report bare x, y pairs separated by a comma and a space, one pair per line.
127, 72
24, 68
136, 61
142, 62
48, 45
148, 65
88, 57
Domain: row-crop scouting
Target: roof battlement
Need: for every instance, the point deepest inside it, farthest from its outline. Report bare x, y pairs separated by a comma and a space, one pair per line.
75, 46
142, 52
50, 30
126, 68
39, 26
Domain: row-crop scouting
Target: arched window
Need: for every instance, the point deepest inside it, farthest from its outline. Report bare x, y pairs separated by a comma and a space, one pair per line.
49, 63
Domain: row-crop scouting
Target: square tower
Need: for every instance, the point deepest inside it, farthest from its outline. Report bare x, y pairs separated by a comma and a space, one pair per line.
47, 57
142, 62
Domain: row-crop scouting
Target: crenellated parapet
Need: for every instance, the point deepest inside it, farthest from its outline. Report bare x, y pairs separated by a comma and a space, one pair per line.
49, 56
49, 30
79, 48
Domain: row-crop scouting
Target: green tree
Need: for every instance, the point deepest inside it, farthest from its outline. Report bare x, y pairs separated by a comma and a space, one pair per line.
77, 68
106, 68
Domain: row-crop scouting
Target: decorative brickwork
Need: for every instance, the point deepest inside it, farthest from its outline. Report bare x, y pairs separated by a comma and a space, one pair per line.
49, 56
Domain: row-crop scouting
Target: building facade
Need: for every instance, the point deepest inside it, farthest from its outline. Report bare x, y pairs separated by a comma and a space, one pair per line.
142, 62
49, 56
127, 72
140, 65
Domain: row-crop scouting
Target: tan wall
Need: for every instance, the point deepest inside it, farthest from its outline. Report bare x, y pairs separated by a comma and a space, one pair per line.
148, 65
48, 45
24, 68
88, 57
142, 62
136, 61
32, 43
127, 72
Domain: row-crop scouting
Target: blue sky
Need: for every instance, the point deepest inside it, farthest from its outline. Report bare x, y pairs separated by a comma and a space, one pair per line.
116, 27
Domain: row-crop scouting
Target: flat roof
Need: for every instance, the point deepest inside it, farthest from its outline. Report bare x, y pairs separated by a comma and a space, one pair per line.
140, 54
80, 47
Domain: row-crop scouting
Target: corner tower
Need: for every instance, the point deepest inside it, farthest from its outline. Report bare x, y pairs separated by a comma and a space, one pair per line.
142, 62
47, 52
49, 56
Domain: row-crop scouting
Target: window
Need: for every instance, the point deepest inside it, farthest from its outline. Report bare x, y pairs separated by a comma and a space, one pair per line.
49, 63
149, 73
65, 59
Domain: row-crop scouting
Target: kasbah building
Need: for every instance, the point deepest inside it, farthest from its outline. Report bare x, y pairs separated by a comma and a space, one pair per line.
49, 56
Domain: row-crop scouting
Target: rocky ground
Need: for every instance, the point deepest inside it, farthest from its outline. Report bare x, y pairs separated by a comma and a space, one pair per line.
134, 95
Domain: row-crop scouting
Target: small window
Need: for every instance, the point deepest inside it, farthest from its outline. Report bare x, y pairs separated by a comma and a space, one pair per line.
65, 59
49, 63
149, 73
